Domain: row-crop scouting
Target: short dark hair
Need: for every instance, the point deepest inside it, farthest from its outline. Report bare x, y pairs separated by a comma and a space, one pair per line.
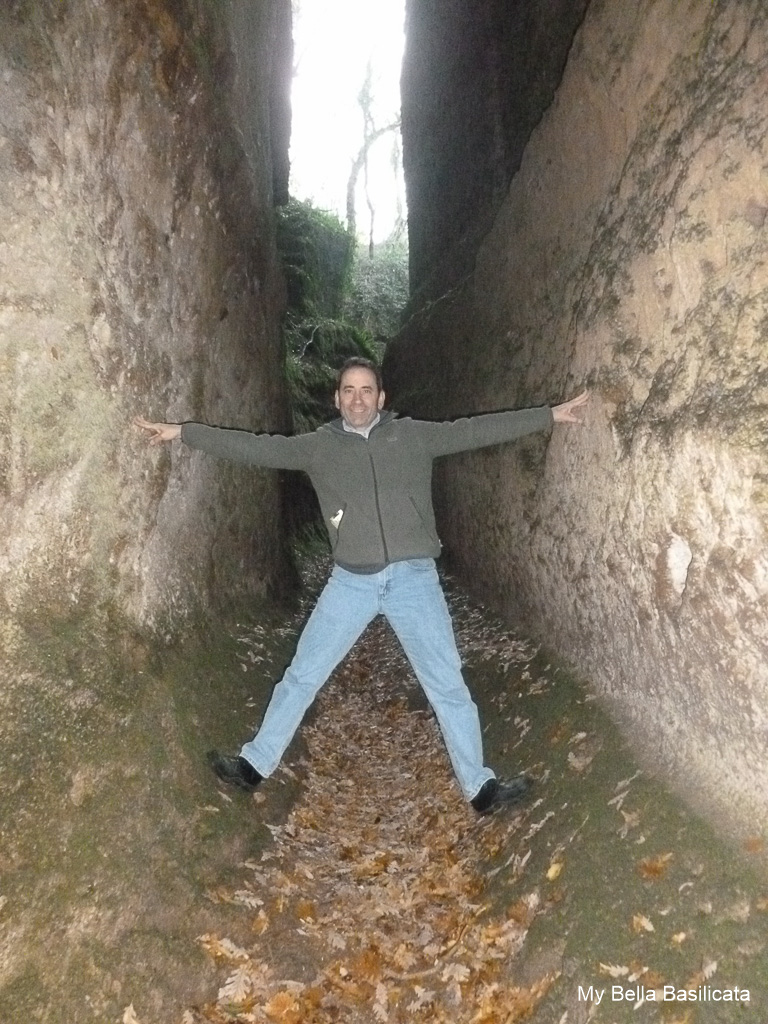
357, 362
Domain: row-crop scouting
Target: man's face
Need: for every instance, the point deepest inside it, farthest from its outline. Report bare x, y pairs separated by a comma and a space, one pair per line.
358, 398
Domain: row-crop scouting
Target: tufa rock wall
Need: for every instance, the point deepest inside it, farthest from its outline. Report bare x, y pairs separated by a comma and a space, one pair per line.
141, 146
476, 80
630, 256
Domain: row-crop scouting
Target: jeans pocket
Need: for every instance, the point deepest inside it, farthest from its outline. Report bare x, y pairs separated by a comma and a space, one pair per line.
420, 563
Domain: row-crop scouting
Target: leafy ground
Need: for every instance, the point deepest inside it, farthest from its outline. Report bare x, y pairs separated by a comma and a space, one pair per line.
381, 897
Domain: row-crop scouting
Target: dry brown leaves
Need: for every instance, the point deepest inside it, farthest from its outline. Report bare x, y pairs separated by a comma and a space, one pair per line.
376, 879
654, 868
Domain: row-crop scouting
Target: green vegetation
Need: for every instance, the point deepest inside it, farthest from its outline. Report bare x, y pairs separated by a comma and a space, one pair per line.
317, 253
379, 289
340, 304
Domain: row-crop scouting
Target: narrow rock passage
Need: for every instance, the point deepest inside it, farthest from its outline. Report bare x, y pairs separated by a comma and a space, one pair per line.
383, 897
372, 904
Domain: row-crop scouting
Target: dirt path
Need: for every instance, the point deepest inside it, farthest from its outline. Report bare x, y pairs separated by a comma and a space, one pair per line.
372, 903
384, 898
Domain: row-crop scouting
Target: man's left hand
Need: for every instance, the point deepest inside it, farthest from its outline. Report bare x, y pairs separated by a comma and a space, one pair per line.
566, 413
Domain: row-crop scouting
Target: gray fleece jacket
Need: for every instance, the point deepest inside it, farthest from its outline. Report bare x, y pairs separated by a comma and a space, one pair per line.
376, 493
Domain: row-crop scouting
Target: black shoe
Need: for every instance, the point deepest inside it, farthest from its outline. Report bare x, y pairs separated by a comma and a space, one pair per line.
234, 771
494, 794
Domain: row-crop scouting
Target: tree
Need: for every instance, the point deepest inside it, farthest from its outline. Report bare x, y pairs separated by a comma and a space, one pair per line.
371, 134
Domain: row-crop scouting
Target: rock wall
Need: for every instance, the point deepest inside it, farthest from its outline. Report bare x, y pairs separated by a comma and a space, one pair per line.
629, 256
139, 276
142, 145
476, 80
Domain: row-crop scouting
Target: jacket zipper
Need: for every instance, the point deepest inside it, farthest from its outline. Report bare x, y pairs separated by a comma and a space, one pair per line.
378, 507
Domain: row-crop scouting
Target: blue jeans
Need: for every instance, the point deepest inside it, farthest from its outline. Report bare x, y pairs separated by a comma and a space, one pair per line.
410, 596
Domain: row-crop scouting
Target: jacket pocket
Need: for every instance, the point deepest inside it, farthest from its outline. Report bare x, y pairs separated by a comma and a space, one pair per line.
427, 529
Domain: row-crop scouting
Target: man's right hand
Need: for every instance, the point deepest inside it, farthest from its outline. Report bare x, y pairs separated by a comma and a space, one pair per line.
159, 431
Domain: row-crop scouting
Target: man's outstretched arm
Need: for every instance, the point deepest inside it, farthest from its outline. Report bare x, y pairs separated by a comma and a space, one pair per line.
269, 451
492, 428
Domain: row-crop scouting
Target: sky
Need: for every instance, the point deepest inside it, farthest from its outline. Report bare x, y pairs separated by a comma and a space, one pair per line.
333, 41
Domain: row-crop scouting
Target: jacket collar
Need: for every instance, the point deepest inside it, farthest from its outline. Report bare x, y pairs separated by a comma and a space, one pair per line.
337, 425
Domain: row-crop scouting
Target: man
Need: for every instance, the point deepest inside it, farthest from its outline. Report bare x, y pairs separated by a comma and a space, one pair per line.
372, 473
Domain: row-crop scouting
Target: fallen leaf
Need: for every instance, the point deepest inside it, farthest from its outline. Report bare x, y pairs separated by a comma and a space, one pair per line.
237, 987
679, 938
654, 867
392, 876
246, 898
284, 1007
631, 820
455, 972
708, 968
129, 1015
220, 895
579, 762
641, 924
514, 1004
614, 970
423, 998
380, 1012
335, 939
625, 783
636, 970
222, 949
260, 922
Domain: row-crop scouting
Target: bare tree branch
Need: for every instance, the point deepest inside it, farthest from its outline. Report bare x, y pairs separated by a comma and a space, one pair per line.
357, 165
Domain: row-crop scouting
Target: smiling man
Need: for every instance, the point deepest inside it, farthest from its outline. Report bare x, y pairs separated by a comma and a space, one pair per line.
372, 472
359, 398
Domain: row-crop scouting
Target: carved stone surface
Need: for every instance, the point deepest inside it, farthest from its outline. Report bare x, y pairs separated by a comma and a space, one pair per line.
629, 257
138, 276
476, 80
